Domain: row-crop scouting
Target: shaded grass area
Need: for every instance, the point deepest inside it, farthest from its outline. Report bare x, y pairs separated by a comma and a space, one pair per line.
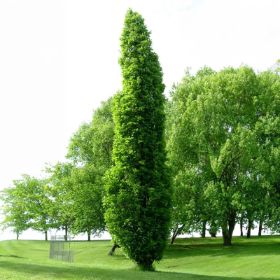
247, 258
35, 271
194, 259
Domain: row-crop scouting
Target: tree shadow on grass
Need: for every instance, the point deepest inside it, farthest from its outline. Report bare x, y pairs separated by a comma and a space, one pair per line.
238, 249
11, 256
76, 272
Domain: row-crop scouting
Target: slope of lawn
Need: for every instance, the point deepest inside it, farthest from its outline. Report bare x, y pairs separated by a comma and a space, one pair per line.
193, 259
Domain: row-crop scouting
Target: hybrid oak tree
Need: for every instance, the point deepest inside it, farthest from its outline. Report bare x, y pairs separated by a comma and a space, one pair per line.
138, 190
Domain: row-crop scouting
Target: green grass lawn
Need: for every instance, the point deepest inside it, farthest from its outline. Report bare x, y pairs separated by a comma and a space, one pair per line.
193, 259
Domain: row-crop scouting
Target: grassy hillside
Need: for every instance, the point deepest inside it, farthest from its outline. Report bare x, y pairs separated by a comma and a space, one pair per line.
193, 259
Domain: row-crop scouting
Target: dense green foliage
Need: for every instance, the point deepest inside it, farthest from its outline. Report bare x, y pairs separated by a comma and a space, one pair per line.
92, 143
90, 152
61, 191
14, 210
223, 147
193, 259
27, 205
70, 197
138, 192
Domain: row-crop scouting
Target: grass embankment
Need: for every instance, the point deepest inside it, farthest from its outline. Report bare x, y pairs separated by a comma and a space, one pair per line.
193, 259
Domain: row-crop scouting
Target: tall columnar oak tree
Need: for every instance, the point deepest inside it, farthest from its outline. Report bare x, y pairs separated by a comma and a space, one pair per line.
138, 190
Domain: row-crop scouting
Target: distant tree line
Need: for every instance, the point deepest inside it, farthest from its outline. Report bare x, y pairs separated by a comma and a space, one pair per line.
70, 196
223, 146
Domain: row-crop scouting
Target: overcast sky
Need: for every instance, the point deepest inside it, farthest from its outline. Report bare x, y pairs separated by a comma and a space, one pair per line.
59, 60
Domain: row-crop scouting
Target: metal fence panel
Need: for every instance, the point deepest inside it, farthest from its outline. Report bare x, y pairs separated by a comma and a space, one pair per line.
60, 249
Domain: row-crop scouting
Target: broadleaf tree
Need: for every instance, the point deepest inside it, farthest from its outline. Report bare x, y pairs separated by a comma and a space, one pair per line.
27, 205
213, 133
14, 210
61, 190
138, 190
90, 151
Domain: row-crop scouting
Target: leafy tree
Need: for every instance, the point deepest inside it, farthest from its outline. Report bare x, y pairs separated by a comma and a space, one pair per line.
213, 134
14, 211
259, 199
138, 189
61, 192
88, 192
93, 142
190, 211
90, 151
267, 131
186, 176
39, 205
183, 211
27, 205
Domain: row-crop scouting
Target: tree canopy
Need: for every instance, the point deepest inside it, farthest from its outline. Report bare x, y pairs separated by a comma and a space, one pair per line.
217, 130
138, 189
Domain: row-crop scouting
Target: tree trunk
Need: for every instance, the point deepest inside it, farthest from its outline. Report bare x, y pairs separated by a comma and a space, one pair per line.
66, 233
88, 235
174, 235
227, 229
46, 235
213, 229
146, 266
231, 225
178, 230
113, 249
226, 236
241, 226
250, 225
17, 235
260, 227
213, 234
203, 231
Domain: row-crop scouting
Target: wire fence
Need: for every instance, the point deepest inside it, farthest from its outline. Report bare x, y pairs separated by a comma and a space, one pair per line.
60, 249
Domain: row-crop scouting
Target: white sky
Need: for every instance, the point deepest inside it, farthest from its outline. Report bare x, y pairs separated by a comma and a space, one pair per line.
59, 60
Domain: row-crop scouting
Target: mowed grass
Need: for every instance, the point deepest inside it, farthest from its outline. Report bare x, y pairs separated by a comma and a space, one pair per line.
193, 259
